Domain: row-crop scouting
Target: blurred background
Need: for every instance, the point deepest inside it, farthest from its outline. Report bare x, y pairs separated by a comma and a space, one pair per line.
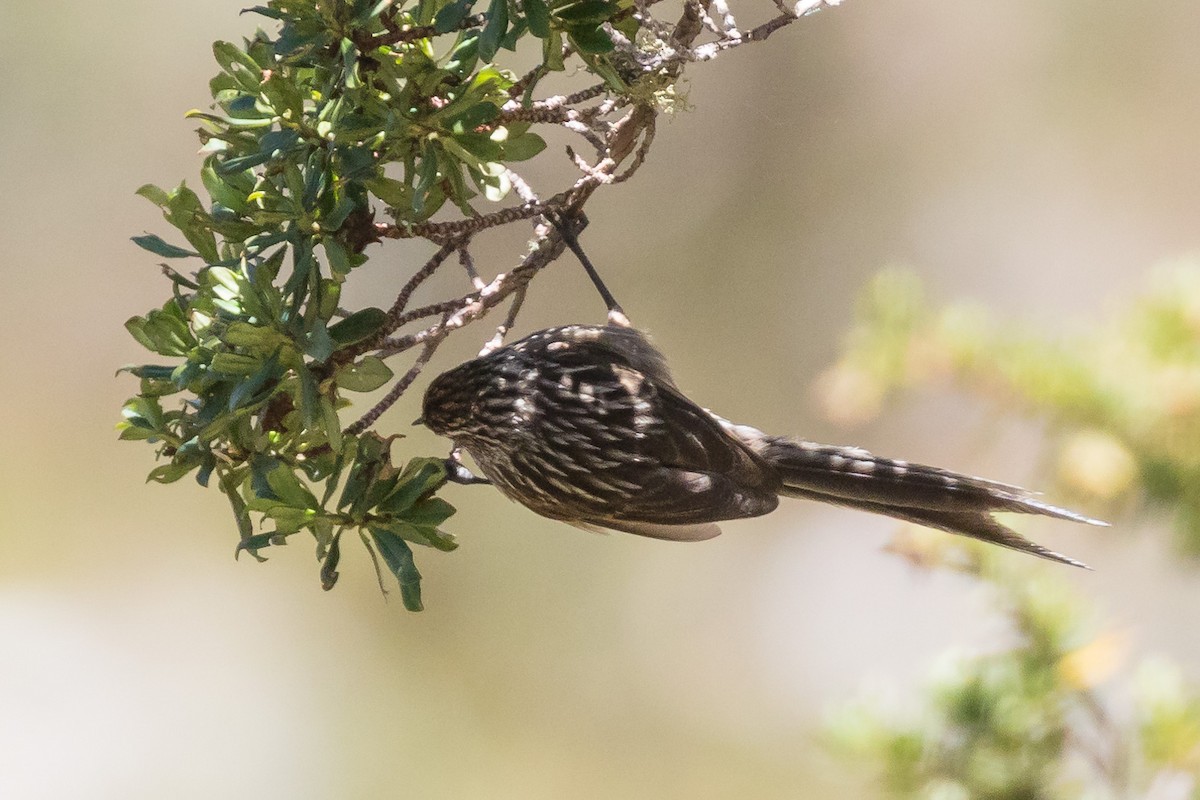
1037, 157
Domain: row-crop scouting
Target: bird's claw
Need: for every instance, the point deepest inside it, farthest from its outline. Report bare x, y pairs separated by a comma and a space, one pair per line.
457, 472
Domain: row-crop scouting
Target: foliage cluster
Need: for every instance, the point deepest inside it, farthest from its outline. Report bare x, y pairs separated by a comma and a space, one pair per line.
349, 111
1047, 717
1122, 402
350, 107
1035, 720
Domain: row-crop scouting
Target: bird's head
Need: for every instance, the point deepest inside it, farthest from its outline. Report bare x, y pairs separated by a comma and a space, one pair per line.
449, 401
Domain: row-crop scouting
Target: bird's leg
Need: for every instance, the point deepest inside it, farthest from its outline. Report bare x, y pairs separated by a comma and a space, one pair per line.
616, 316
457, 472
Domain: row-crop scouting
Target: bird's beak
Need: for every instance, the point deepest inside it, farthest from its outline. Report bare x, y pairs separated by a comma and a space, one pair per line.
419, 421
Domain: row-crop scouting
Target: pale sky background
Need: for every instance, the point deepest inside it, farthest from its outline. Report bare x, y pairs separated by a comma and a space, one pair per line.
1040, 157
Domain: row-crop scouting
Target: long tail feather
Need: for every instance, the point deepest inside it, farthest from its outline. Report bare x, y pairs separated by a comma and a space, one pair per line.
976, 525
917, 493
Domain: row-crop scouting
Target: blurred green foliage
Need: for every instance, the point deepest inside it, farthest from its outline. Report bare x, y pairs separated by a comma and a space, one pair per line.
1036, 719
348, 108
1122, 402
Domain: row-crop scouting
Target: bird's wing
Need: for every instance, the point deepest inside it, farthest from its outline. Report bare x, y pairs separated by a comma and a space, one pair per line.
655, 462
655, 530
615, 390
691, 470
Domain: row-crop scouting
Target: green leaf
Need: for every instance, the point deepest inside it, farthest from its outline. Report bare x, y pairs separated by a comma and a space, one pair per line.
370, 10
153, 194
330, 423
424, 535
230, 479
221, 186
237, 123
523, 147
264, 11
288, 488
465, 56
226, 283
538, 16
426, 178
159, 247
336, 254
254, 337
451, 16
144, 413
586, 13
169, 473
329, 573
420, 477
390, 191
163, 331
358, 326
184, 210
430, 512
474, 149
494, 30
237, 63
552, 58
345, 207
233, 165
514, 35
399, 559
132, 433
319, 346
310, 394
235, 364
365, 375
288, 519
246, 391
255, 542
349, 55
328, 294
591, 40
478, 114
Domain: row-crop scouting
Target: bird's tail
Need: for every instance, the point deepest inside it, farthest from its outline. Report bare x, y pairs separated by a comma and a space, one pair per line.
913, 492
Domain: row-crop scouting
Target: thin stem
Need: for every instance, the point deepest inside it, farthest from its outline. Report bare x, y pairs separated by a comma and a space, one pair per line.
468, 264
568, 235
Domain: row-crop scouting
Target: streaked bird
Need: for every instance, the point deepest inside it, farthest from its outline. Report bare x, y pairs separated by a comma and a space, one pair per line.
584, 423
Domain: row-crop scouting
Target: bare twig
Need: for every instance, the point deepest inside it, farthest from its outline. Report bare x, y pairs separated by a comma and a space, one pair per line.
522, 188
368, 419
470, 307
621, 146
464, 258
502, 330
419, 277
640, 154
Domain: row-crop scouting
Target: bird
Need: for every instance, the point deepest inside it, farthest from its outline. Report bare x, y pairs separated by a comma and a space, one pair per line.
585, 424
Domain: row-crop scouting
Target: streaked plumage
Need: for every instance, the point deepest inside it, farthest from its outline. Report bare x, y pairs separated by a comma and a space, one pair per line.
584, 424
